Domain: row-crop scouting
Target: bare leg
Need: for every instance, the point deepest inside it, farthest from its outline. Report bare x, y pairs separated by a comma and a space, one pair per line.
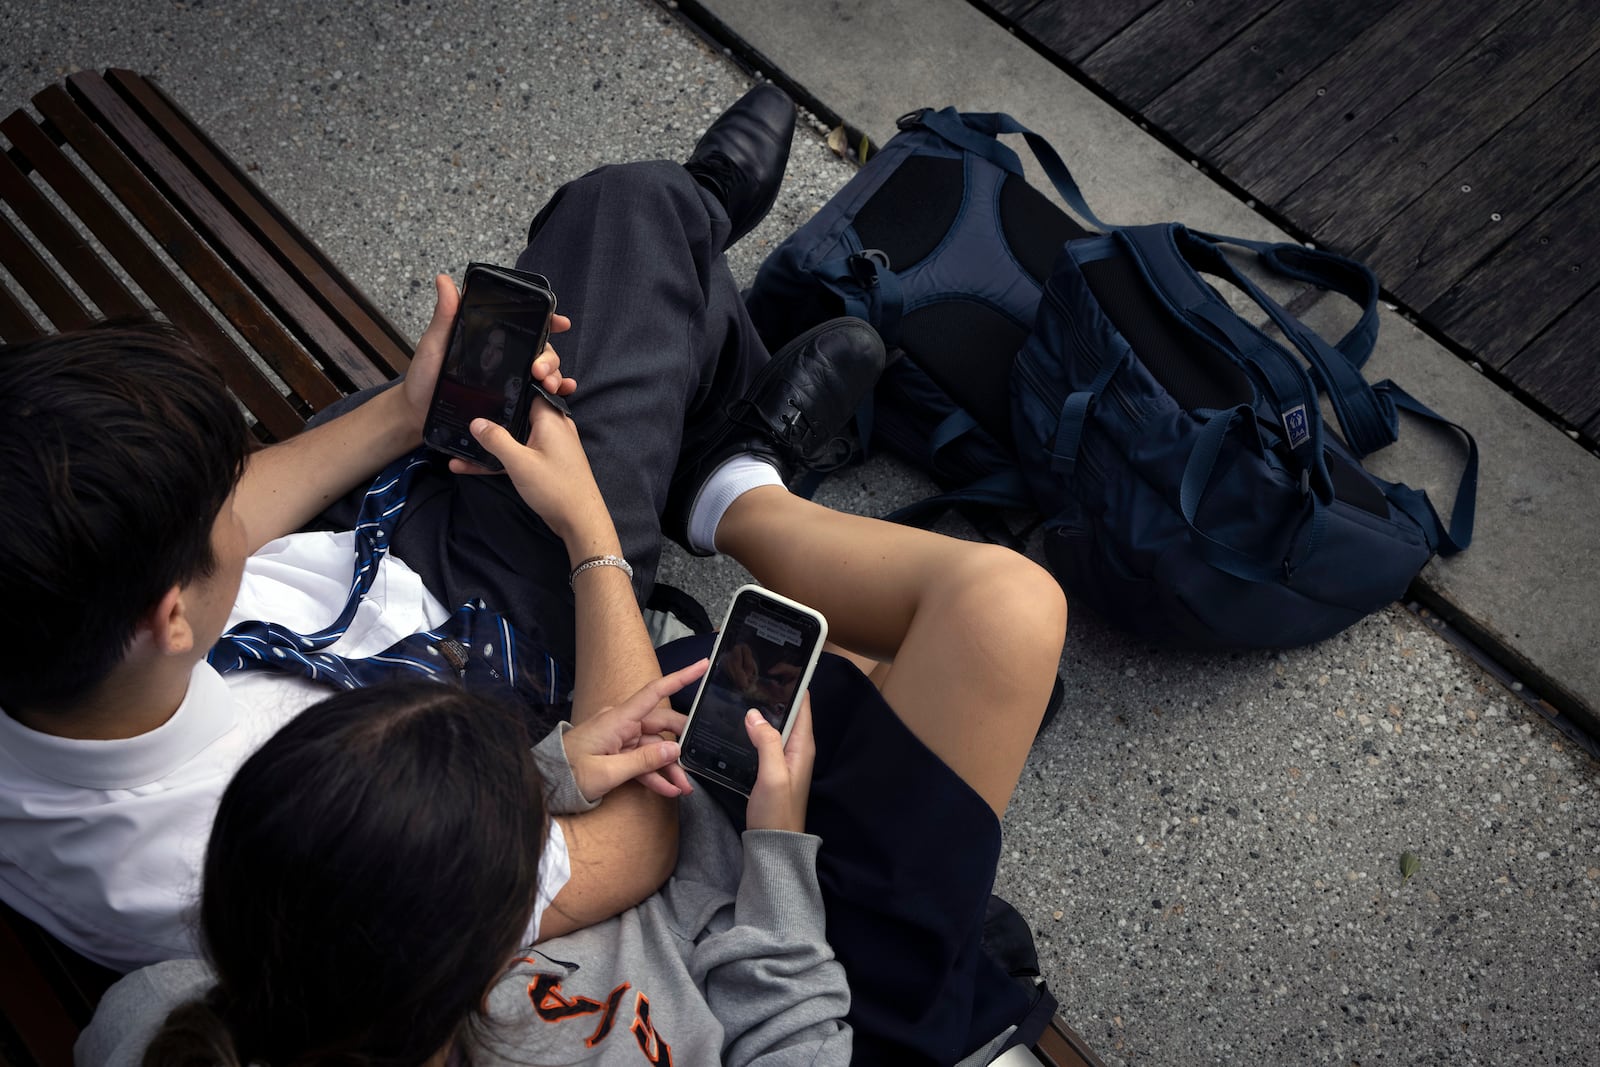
972, 632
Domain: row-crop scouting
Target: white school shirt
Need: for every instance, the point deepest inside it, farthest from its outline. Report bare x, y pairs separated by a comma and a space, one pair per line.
101, 842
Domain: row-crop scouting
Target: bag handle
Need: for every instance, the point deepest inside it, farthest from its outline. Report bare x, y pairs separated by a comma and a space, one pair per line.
1202, 462
978, 132
1368, 414
1327, 270
1367, 418
1160, 254
1415, 502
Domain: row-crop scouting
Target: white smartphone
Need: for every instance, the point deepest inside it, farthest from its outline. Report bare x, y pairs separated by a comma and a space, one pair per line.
763, 659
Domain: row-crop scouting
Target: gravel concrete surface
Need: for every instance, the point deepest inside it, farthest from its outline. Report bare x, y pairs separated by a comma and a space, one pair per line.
1206, 846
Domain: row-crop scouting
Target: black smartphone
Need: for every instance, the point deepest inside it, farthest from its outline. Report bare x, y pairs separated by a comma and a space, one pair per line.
501, 327
763, 659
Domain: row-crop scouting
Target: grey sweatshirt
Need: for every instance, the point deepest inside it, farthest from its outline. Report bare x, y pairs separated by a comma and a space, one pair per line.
726, 964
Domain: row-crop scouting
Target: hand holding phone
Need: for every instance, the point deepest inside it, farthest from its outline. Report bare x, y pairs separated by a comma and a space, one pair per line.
783, 775
763, 659
501, 327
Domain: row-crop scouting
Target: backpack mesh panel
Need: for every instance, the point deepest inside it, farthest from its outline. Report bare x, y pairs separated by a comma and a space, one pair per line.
912, 211
967, 348
1034, 227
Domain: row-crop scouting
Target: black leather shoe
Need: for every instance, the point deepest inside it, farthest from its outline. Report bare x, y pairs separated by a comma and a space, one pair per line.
741, 157
792, 414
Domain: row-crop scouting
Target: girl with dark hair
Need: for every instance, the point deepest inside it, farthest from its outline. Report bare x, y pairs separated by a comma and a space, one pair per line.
372, 869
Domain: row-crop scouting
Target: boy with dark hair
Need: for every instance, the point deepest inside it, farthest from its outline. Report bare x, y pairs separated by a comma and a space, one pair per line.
120, 448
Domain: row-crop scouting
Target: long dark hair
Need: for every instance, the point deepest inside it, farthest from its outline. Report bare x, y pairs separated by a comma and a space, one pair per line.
371, 871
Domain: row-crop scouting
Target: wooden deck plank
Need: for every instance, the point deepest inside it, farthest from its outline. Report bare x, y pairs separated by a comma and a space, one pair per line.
1368, 184
1471, 211
1496, 310
1073, 30
1340, 102
1561, 367
1255, 68
69, 247
1165, 43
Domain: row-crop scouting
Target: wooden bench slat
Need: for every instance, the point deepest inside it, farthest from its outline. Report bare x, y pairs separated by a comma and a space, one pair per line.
16, 324
258, 271
190, 250
248, 383
312, 272
39, 281
81, 259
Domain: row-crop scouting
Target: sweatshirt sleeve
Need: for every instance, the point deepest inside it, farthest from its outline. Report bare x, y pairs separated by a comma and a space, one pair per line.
561, 793
771, 979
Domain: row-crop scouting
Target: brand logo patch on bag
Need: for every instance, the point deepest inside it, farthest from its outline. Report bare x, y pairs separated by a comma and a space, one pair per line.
1294, 422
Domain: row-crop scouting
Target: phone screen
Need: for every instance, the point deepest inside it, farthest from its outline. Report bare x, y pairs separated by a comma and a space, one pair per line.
500, 329
761, 662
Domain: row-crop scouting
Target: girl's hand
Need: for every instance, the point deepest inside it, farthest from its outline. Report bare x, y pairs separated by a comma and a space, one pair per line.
625, 743
783, 776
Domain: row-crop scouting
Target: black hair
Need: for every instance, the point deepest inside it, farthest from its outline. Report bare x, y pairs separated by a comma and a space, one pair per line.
371, 872
119, 446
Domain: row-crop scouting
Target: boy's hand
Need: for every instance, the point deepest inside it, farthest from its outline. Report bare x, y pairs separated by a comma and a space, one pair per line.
423, 374
783, 776
551, 473
625, 742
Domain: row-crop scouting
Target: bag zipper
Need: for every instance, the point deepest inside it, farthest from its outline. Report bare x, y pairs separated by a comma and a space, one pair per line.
1045, 392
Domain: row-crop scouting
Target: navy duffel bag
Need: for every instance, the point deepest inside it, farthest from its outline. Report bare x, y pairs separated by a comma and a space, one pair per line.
1191, 490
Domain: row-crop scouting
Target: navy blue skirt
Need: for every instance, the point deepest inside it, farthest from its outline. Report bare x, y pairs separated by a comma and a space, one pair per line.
907, 864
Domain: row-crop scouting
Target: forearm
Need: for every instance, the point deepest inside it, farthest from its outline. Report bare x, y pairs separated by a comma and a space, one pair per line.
619, 850
771, 979
290, 483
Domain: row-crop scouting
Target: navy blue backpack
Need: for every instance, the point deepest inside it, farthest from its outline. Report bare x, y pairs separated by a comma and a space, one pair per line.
1176, 455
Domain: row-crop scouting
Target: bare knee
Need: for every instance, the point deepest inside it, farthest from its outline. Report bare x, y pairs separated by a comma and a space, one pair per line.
1014, 612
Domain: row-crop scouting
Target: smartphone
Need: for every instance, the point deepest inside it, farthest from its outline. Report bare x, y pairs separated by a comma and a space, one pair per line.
763, 659
500, 329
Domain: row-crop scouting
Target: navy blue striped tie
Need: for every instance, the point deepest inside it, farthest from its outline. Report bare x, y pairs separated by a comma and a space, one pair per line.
475, 647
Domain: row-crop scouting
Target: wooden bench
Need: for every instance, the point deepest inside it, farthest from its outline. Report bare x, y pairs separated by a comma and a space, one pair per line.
130, 209
215, 256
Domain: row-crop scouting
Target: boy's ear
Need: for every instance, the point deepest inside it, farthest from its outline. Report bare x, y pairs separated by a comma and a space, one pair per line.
168, 623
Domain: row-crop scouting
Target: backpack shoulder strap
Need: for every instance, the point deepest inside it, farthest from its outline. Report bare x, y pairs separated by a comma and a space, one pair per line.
978, 132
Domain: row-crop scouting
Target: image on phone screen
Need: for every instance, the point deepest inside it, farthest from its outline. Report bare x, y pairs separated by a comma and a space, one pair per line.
762, 661
500, 329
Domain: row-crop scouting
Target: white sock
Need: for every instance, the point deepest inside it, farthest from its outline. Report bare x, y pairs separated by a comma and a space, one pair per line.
732, 479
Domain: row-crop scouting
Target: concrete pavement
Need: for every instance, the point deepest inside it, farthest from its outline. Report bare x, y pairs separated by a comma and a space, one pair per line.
1206, 845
